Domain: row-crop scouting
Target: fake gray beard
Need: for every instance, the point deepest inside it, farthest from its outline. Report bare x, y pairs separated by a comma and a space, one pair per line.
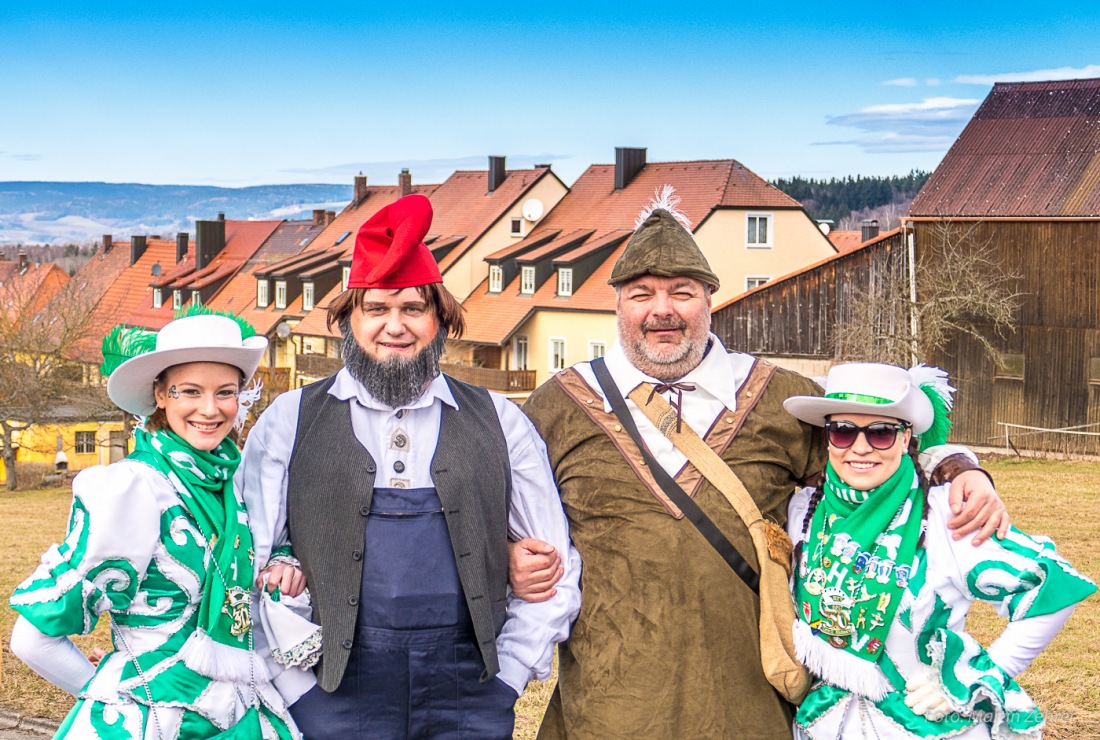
395, 382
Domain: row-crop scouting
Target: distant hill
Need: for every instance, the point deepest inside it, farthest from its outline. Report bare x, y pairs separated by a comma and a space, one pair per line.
848, 200
63, 212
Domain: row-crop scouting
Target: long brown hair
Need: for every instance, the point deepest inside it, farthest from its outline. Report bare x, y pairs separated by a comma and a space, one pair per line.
448, 311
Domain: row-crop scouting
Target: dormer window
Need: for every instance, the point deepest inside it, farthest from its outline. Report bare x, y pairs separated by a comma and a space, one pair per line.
196, 298
496, 278
345, 276
527, 280
158, 298
280, 294
307, 296
262, 296
565, 281
177, 299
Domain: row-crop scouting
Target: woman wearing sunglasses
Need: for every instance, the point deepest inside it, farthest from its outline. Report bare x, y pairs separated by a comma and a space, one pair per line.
882, 590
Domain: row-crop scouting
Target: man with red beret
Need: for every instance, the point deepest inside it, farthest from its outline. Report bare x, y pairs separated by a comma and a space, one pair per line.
398, 488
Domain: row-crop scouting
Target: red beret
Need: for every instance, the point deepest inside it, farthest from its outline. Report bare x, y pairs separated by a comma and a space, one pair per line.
389, 250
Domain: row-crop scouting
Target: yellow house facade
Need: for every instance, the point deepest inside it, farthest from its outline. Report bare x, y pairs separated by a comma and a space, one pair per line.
84, 443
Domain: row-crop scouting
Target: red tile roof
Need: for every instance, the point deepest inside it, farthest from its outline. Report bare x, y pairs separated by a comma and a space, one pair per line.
1031, 150
593, 204
845, 241
28, 289
242, 240
93, 280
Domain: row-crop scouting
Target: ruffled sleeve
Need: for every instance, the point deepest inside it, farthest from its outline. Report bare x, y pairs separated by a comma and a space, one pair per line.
114, 527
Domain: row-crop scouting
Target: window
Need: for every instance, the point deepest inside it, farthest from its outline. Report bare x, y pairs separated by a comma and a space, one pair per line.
177, 299
758, 232
307, 296
517, 227
1094, 369
85, 443
345, 276
527, 280
1011, 369
345, 235
158, 298
565, 281
496, 278
519, 352
196, 298
755, 281
596, 349
280, 294
557, 354
262, 297
311, 347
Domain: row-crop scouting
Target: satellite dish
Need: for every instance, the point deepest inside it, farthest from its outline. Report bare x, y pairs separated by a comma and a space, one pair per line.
532, 209
282, 331
156, 269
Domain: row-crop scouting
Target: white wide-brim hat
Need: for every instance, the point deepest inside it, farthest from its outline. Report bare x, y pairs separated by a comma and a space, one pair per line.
206, 338
866, 388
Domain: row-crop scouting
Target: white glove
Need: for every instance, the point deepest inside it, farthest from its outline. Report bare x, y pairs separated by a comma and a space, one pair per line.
925, 696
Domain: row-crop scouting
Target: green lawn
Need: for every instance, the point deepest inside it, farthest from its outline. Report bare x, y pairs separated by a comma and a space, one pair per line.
1059, 499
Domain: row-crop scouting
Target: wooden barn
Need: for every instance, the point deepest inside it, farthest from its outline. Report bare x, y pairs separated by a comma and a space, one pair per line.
1023, 182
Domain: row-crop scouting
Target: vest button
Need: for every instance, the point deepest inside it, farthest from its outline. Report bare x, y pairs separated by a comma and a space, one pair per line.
370, 468
399, 466
346, 644
356, 555
353, 600
364, 510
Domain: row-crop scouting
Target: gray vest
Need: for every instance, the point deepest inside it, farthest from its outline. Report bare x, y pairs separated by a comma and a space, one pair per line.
329, 489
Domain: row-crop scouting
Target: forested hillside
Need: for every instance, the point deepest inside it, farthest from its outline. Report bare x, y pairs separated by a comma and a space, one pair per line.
849, 200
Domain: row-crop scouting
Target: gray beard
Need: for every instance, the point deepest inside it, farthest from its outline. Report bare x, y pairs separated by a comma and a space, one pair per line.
395, 382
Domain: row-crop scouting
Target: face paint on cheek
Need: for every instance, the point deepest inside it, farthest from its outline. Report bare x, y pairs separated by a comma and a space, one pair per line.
173, 393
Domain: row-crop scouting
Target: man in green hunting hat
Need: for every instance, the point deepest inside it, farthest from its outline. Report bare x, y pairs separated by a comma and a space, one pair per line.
666, 644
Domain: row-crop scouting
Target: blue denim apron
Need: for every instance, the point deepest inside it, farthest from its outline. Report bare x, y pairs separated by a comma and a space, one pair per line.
414, 669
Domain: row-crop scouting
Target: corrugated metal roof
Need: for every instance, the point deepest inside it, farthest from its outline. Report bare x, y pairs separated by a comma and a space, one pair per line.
1031, 150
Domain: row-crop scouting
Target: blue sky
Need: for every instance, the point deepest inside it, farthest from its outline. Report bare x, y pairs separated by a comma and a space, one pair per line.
251, 93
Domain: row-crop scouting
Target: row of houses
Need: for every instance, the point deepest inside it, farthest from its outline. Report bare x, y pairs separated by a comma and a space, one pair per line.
528, 256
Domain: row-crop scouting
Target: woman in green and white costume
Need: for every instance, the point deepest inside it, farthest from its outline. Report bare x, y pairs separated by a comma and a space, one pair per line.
881, 589
161, 542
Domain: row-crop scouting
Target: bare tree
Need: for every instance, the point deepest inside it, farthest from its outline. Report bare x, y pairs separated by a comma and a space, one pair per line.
962, 287
40, 382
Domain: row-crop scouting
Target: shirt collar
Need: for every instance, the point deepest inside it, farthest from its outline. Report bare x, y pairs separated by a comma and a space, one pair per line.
720, 373
346, 387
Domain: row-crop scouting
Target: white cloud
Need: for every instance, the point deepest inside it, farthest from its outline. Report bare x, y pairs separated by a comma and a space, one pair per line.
1039, 75
930, 125
902, 82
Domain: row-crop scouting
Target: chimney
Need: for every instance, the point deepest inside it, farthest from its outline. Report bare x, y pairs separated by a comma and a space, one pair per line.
629, 161
209, 240
360, 188
183, 239
870, 229
496, 172
404, 183
22, 258
318, 216
137, 248
221, 217
330, 216
108, 243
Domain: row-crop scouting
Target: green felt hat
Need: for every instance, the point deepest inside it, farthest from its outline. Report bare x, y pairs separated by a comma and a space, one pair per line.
662, 246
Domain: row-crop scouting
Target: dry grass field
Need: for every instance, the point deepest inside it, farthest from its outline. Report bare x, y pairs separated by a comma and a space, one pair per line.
1059, 499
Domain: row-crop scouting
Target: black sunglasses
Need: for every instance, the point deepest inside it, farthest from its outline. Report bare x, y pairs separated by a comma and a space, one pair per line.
881, 435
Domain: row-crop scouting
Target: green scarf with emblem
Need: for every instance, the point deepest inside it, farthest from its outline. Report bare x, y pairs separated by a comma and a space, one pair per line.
850, 585
204, 481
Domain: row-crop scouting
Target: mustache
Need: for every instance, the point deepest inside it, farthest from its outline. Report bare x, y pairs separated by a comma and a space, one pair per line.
665, 323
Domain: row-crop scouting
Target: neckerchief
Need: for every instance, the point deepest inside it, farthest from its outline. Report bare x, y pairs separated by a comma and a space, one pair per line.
857, 558
204, 481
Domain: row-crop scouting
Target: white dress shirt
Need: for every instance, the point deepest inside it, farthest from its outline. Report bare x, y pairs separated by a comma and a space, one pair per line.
408, 435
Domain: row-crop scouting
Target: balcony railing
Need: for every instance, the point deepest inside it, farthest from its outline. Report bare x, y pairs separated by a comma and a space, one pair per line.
318, 366
505, 381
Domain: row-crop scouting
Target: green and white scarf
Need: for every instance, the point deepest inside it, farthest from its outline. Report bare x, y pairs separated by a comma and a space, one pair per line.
854, 569
204, 481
